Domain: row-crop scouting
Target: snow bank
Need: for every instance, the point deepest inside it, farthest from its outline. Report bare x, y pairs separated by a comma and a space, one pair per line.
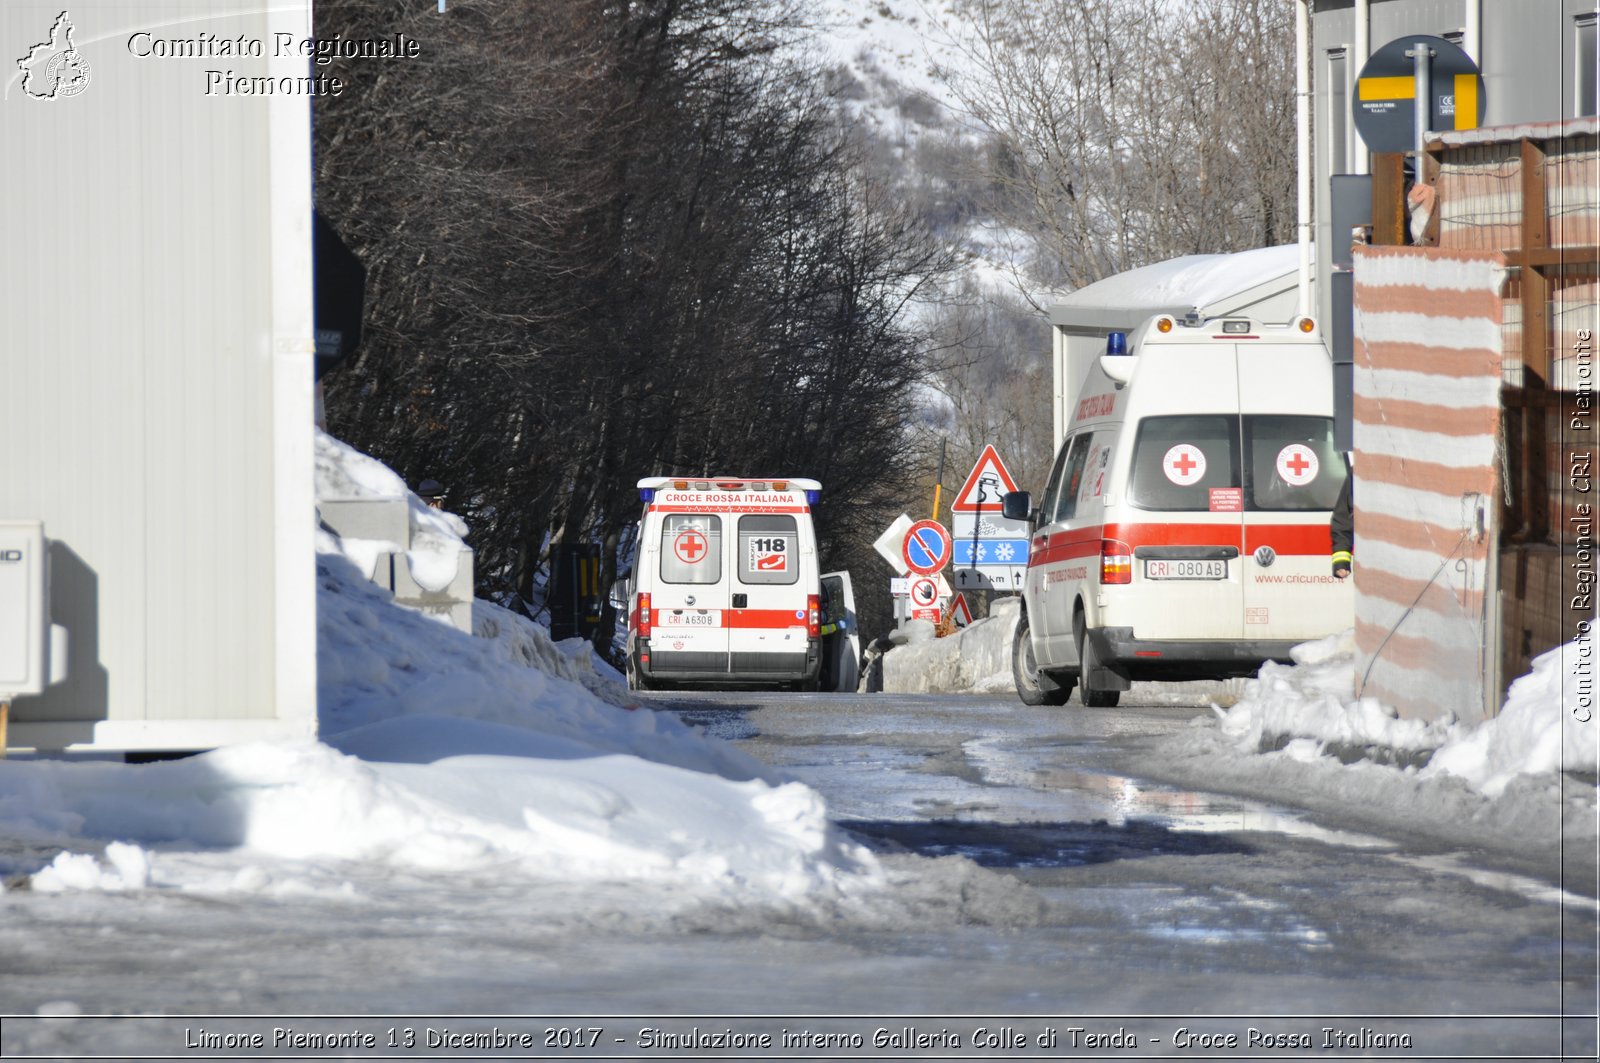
1539, 730
442, 753
976, 659
1299, 735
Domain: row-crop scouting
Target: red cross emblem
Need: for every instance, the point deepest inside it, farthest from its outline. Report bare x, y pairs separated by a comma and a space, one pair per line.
1297, 464
690, 546
1184, 464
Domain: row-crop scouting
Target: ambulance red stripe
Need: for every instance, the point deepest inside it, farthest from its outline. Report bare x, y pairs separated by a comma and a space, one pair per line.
1285, 539
740, 618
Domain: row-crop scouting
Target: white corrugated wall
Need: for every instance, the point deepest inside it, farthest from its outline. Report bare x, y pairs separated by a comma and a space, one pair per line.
1426, 424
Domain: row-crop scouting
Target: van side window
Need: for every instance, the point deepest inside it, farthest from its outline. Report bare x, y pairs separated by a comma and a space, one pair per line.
1072, 477
691, 548
768, 549
1047, 501
1293, 464
1178, 460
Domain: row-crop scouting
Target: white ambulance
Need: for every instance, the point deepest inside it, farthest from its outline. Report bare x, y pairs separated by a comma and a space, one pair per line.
1184, 530
726, 589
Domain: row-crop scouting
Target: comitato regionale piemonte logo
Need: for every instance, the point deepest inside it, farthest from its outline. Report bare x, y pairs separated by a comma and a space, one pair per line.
54, 68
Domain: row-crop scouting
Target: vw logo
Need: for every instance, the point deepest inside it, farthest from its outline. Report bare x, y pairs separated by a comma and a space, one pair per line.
1265, 556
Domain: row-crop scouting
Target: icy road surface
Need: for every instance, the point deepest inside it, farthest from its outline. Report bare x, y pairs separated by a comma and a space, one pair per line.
1029, 876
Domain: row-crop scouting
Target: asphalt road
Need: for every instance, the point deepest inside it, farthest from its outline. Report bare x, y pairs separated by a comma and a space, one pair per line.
1135, 898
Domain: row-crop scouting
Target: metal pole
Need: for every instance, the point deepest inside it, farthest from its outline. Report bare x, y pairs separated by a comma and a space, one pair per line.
1302, 138
938, 484
1361, 158
1421, 66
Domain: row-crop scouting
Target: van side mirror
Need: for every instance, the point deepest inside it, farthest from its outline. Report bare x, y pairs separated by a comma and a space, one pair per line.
1016, 505
621, 594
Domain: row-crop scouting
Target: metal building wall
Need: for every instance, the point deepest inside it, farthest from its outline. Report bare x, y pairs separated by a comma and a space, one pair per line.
1528, 62
155, 378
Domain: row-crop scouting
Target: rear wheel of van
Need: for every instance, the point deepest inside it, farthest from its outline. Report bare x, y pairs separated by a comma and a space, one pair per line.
1033, 686
1088, 663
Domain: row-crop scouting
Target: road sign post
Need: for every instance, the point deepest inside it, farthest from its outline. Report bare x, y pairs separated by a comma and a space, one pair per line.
990, 551
926, 549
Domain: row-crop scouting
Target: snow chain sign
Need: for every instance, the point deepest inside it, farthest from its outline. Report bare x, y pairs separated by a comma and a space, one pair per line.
991, 552
1385, 104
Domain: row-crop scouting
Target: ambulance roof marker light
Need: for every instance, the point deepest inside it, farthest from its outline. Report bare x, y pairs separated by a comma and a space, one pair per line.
1163, 324
1307, 325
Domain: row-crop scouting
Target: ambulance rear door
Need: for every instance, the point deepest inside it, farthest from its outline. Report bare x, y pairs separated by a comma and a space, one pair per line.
1182, 524
1292, 478
768, 623
692, 593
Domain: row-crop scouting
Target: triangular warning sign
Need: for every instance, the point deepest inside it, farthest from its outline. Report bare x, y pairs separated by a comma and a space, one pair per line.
959, 611
991, 476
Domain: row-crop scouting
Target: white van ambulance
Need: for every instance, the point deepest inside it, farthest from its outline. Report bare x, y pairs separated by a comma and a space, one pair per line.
726, 590
1184, 530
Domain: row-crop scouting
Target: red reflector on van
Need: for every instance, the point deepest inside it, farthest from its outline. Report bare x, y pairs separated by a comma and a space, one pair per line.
1147, 653
1116, 561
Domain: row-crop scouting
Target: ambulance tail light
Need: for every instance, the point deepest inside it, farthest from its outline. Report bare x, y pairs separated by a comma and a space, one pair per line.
1116, 562
813, 616
641, 616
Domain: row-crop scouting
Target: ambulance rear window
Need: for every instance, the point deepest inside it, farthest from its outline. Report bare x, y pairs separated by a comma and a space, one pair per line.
691, 548
768, 549
1178, 460
1293, 463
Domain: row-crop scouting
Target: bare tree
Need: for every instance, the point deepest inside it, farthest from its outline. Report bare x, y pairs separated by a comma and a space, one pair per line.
1130, 131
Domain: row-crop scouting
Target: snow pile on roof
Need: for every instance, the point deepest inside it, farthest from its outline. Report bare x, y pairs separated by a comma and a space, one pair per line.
344, 473
1189, 281
445, 754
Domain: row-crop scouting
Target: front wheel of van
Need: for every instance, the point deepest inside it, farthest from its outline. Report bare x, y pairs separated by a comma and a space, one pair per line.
1088, 664
1033, 686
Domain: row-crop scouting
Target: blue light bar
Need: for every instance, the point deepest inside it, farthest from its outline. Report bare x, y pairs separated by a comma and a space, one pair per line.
812, 496
647, 495
1116, 343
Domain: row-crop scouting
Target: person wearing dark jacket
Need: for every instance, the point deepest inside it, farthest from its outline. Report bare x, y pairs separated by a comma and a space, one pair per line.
1342, 525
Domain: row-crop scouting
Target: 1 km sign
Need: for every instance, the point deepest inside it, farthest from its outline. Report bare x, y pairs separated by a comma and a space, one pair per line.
926, 549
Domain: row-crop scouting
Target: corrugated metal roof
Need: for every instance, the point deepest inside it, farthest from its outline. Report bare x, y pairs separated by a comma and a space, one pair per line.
1567, 127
